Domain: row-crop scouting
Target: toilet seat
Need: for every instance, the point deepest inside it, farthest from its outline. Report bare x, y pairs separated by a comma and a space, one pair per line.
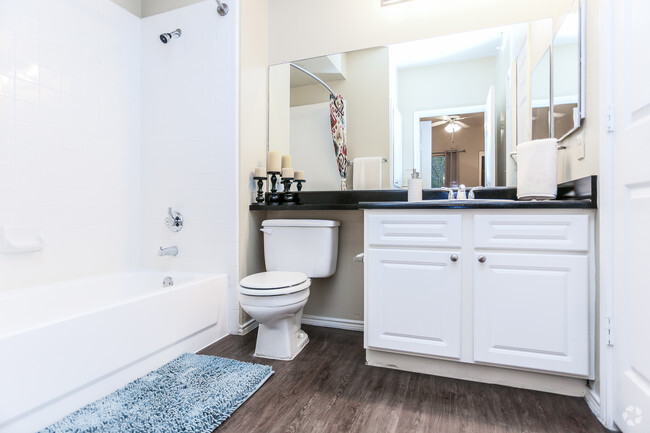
274, 283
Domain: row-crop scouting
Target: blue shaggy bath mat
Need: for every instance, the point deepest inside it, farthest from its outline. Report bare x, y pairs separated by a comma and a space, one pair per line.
192, 393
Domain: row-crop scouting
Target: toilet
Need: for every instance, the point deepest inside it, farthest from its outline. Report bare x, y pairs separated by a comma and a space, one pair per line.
295, 250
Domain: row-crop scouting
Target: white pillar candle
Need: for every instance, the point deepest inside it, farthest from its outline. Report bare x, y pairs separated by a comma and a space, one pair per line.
286, 161
260, 172
274, 161
287, 172
299, 175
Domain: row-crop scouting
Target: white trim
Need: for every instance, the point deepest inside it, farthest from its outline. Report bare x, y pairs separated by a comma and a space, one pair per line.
605, 375
333, 322
247, 327
593, 401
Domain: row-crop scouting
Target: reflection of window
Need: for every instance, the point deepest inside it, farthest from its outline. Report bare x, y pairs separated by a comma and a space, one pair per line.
437, 171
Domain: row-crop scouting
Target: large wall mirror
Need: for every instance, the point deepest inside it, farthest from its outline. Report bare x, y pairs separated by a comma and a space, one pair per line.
557, 82
568, 54
438, 106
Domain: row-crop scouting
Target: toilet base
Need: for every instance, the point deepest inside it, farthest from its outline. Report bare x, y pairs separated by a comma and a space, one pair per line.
281, 339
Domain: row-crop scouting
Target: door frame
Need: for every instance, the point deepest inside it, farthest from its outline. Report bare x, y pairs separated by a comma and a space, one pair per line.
420, 114
602, 402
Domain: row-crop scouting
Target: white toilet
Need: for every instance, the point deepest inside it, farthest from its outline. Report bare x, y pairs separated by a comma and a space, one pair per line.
294, 251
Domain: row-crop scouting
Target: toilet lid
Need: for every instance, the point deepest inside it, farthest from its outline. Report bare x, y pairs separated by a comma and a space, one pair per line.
274, 281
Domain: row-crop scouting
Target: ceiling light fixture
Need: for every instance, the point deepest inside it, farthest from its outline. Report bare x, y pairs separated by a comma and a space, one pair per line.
452, 127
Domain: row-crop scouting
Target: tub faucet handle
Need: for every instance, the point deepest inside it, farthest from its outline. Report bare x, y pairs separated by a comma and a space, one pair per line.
174, 221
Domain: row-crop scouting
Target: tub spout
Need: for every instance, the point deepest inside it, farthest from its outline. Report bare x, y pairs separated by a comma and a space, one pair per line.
169, 251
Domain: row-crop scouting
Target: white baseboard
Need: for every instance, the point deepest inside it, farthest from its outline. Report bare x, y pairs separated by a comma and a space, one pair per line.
333, 322
247, 327
593, 401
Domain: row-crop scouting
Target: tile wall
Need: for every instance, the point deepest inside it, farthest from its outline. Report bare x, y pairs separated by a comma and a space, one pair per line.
103, 127
69, 136
189, 136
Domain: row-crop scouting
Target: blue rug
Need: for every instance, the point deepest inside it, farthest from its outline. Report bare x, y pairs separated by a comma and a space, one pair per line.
192, 393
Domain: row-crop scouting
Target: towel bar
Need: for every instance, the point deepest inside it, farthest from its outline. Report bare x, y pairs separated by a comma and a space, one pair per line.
350, 162
513, 154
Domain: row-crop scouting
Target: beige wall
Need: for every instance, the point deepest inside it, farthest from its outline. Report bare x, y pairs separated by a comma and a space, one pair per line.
133, 6
341, 295
300, 29
253, 92
366, 93
153, 7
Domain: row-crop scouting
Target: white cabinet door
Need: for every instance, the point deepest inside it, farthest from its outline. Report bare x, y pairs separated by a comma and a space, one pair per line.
532, 311
414, 301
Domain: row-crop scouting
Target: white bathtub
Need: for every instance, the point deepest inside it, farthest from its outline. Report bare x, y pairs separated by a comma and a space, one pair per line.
64, 345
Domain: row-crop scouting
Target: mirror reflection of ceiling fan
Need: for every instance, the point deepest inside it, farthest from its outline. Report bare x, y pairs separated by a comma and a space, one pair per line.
452, 123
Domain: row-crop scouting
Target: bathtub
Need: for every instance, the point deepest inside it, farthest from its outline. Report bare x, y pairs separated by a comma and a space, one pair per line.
64, 345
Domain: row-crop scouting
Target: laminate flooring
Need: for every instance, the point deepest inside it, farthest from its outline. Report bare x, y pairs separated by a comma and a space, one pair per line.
328, 388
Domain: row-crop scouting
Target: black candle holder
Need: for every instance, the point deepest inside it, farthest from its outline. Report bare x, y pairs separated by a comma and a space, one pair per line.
288, 195
274, 199
299, 183
260, 192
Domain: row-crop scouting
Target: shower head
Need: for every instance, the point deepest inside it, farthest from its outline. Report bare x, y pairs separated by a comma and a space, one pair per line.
166, 37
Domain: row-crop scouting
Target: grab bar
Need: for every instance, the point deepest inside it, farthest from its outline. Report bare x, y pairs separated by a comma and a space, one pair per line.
384, 160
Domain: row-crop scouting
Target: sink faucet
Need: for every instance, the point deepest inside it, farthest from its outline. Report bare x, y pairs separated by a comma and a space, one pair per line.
169, 251
471, 195
450, 195
461, 194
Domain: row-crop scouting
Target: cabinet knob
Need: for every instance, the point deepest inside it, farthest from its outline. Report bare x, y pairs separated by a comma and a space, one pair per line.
454, 258
482, 259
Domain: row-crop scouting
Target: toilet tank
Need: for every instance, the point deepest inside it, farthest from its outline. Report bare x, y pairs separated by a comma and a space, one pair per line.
308, 246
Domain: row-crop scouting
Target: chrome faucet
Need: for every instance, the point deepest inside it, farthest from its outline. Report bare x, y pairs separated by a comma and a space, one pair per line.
169, 251
462, 192
450, 195
471, 195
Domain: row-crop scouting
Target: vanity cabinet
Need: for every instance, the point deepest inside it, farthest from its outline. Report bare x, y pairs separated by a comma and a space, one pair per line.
531, 292
415, 274
484, 287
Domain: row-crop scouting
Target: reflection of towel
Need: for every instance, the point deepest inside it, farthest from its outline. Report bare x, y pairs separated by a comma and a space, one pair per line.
366, 173
536, 170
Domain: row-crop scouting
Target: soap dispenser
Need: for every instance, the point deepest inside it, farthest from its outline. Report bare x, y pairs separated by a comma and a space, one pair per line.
415, 187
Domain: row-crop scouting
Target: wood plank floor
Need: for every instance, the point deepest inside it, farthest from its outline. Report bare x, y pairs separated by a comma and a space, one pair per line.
328, 388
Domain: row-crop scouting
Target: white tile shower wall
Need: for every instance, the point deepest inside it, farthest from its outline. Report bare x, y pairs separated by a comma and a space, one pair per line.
69, 136
189, 136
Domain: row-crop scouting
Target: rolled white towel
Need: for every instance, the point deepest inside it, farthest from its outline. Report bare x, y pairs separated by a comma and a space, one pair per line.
366, 173
537, 170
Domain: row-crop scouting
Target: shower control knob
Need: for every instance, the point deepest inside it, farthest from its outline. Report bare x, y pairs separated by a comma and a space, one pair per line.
482, 259
454, 258
174, 221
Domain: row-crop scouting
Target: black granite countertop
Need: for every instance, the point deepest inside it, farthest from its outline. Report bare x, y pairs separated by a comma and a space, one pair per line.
576, 194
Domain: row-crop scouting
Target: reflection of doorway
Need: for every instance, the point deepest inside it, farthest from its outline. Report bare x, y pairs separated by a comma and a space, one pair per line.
451, 151
481, 166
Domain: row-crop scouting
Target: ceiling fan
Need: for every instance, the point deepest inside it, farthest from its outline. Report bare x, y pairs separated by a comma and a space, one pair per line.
452, 123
